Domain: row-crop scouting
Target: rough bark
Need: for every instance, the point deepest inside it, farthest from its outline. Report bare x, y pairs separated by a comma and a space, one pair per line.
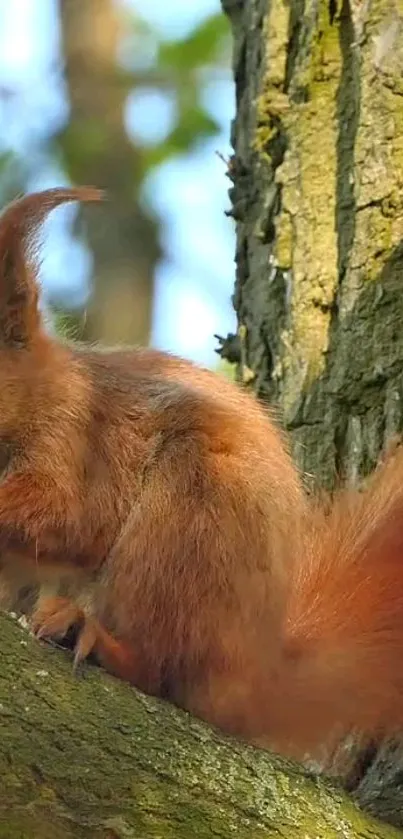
318, 176
97, 150
317, 171
88, 756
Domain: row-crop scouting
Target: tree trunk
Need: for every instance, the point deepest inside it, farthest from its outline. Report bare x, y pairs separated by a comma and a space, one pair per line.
88, 756
97, 151
317, 172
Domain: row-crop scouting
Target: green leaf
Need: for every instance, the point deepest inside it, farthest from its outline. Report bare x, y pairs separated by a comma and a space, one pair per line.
194, 124
203, 46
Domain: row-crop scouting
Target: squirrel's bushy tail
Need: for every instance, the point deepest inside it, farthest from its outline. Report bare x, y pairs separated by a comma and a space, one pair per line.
341, 666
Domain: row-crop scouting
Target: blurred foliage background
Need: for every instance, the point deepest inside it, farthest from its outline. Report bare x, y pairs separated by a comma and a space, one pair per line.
134, 96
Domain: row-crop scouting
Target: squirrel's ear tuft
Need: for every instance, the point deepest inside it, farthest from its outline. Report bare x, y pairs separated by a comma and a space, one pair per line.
19, 229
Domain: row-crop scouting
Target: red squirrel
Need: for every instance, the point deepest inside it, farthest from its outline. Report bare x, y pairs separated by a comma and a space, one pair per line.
199, 569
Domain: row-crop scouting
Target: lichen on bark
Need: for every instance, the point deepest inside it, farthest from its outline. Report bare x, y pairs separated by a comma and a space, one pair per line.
318, 179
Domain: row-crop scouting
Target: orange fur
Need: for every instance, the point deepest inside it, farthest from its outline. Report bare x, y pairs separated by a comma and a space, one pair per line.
164, 498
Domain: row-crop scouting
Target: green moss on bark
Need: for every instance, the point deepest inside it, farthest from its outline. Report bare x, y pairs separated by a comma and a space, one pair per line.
90, 757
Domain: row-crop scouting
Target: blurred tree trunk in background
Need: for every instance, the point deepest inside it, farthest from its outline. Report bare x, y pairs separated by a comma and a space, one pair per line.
97, 151
317, 196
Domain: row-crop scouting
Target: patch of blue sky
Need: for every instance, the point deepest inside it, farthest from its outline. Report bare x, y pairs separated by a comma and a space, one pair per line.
195, 280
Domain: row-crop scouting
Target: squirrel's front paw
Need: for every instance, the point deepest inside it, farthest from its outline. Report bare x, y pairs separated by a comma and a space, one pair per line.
56, 615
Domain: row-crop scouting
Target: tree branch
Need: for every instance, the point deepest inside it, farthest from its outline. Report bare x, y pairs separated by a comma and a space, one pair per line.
88, 756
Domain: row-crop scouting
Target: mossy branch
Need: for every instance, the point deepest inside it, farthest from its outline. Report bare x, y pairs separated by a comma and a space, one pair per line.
88, 756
